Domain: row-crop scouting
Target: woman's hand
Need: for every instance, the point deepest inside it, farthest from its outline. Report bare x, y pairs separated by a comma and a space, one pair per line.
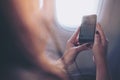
100, 54
100, 45
73, 47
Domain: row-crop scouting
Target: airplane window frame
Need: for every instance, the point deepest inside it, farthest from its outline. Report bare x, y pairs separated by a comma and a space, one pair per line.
98, 12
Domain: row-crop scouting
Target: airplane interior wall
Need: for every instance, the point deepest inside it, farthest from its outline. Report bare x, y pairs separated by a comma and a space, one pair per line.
109, 18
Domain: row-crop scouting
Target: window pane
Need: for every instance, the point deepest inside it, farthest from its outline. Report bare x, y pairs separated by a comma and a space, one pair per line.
69, 12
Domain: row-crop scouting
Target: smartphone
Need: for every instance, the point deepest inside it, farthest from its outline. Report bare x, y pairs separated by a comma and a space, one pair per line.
87, 29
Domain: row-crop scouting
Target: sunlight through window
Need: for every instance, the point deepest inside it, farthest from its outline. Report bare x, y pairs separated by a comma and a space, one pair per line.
41, 3
69, 12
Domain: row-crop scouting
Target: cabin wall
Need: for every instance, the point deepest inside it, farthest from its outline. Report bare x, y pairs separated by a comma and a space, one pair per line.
110, 19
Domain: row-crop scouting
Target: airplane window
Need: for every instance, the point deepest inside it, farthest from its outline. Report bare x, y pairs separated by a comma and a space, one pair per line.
41, 3
69, 12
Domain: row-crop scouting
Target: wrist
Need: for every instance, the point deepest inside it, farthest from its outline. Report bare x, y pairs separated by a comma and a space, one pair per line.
61, 70
101, 62
100, 59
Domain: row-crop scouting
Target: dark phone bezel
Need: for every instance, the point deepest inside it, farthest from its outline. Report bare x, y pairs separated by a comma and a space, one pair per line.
81, 41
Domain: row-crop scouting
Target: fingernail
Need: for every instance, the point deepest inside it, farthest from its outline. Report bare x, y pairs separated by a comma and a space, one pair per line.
97, 32
88, 45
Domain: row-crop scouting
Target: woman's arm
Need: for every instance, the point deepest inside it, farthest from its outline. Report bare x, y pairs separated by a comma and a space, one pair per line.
73, 48
27, 24
100, 55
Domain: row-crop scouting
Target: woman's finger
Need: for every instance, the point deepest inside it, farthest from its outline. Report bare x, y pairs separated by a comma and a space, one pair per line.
83, 47
75, 35
97, 38
103, 38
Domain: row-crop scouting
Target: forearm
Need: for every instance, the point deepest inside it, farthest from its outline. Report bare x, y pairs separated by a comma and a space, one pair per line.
56, 68
102, 72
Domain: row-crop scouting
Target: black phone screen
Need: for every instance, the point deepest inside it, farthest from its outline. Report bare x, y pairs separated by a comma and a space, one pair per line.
87, 29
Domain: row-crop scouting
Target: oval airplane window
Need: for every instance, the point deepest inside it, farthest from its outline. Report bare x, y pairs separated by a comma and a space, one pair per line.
69, 12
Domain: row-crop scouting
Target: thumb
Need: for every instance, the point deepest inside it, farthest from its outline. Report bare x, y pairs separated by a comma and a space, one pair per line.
82, 47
